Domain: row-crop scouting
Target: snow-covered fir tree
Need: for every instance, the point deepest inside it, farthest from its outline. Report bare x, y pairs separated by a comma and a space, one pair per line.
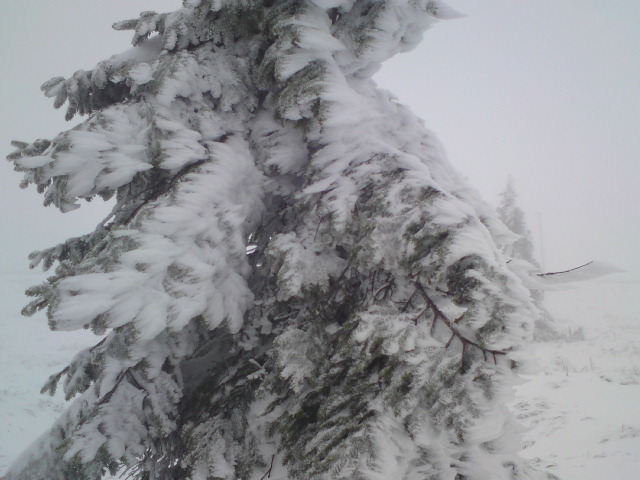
510, 213
522, 260
293, 283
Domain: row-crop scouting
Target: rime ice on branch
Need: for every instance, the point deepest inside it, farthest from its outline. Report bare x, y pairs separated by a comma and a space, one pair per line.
374, 330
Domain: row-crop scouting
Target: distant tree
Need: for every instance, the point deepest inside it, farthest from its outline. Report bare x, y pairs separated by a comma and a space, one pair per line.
293, 282
522, 259
514, 218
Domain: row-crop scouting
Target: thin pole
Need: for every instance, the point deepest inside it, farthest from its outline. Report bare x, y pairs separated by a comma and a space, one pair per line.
541, 241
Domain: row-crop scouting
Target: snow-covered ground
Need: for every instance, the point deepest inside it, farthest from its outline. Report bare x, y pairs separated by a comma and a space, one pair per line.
583, 406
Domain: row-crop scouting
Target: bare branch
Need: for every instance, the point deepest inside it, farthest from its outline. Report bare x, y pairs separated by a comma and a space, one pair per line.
451, 325
564, 271
409, 303
268, 474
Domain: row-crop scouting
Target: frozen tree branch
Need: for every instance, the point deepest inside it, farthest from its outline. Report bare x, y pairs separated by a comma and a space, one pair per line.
438, 315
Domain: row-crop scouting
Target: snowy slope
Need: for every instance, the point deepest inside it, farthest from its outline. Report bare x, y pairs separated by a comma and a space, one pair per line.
583, 406
29, 353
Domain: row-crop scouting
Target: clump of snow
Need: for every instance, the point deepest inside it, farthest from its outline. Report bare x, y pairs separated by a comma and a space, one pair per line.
141, 73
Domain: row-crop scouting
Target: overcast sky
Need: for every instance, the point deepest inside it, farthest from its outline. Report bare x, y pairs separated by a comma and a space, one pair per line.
545, 90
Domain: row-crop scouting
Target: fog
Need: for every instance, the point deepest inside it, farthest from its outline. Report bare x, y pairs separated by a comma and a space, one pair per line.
546, 91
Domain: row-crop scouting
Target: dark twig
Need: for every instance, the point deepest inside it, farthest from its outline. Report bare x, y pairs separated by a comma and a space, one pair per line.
268, 474
159, 188
453, 335
374, 278
434, 322
409, 303
564, 271
337, 283
415, 320
385, 290
320, 222
457, 320
107, 396
444, 292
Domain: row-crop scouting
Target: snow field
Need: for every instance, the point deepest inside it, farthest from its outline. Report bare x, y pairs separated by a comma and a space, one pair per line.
583, 406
